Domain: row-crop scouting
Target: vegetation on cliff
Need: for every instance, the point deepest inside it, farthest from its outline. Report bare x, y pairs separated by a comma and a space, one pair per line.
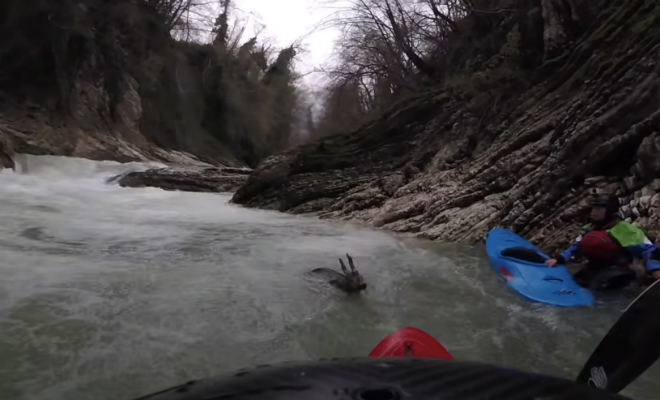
125, 79
391, 50
473, 114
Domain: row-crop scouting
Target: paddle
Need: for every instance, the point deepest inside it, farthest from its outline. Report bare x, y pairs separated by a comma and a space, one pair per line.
630, 347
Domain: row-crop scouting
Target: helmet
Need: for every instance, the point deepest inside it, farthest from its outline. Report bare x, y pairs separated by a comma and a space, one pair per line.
609, 201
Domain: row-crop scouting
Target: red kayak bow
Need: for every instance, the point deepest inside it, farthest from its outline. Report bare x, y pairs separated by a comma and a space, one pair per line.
410, 342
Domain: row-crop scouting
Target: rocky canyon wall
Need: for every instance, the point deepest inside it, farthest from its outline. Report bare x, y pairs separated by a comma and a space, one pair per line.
568, 106
106, 80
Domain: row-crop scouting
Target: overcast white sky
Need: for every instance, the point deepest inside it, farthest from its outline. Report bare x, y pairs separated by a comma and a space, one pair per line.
289, 20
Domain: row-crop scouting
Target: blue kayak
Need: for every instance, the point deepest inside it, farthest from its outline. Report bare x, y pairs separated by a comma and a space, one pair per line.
522, 266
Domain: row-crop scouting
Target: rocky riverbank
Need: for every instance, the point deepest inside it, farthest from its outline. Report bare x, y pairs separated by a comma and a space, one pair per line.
186, 178
456, 161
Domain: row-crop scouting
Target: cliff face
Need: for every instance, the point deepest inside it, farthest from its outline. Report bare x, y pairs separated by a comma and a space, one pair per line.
105, 80
514, 144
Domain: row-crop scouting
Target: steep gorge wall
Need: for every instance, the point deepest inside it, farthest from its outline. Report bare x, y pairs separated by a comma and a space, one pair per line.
100, 80
514, 144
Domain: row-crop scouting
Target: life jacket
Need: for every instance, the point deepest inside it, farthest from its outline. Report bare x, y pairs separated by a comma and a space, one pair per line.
600, 247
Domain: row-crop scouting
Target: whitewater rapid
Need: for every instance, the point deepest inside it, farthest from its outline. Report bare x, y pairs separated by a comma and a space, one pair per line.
112, 293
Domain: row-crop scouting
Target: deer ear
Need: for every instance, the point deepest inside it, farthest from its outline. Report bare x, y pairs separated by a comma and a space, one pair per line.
343, 266
350, 262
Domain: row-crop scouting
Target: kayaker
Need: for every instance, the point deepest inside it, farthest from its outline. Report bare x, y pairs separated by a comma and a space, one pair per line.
609, 245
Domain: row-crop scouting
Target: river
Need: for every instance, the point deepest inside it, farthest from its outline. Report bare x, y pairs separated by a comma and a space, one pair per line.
111, 293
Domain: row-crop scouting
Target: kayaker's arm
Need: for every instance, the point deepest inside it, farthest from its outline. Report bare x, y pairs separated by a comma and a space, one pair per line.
570, 252
566, 255
649, 253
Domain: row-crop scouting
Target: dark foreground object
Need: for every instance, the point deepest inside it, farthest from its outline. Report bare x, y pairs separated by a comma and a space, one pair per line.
629, 348
383, 379
613, 278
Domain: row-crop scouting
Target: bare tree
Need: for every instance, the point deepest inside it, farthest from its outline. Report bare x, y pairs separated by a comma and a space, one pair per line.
391, 48
381, 55
187, 20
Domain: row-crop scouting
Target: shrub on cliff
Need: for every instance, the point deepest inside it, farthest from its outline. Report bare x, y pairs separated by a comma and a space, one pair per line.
394, 49
217, 100
250, 97
45, 45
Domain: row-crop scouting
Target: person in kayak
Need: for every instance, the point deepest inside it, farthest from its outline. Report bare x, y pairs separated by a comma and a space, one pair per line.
609, 245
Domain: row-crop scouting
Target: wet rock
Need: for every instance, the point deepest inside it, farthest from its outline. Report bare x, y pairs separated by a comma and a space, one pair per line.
642, 222
626, 200
644, 205
630, 182
655, 185
6, 158
651, 221
648, 161
647, 191
626, 211
594, 179
189, 179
